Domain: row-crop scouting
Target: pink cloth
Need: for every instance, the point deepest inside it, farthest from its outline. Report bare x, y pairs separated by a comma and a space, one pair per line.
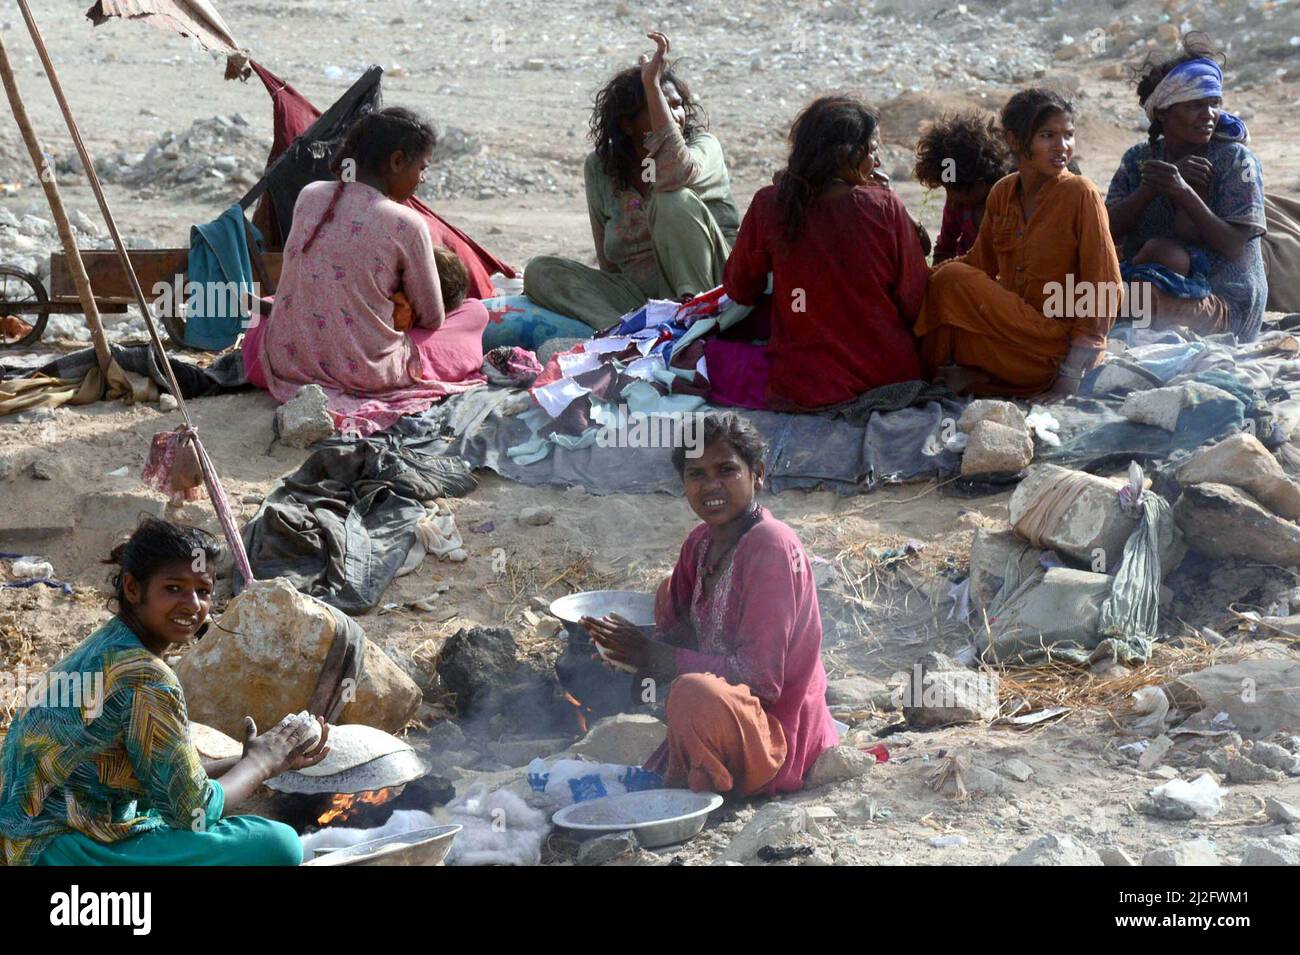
332, 324
738, 373
760, 628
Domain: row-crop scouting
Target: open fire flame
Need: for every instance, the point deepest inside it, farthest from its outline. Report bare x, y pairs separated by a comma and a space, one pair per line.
579, 710
343, 806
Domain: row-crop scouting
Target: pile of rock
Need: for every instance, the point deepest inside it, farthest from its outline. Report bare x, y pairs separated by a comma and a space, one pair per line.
1237, 501
216, 158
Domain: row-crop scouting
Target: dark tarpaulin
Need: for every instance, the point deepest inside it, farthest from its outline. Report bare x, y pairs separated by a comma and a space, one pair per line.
340, 527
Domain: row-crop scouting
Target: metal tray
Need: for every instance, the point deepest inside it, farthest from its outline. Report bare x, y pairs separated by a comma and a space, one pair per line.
417, 847
658, 817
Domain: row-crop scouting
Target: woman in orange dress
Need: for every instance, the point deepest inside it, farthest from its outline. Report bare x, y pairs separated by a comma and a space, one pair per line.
1028, 309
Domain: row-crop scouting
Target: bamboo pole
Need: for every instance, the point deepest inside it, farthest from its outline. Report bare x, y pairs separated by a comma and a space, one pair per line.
93, 178
46, 175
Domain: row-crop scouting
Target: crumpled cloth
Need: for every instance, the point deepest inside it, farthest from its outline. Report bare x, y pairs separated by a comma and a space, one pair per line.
438, 535
160, 468
341, 526
511, 366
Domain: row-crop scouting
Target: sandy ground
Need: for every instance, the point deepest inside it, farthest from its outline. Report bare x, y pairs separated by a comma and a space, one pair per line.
466, 68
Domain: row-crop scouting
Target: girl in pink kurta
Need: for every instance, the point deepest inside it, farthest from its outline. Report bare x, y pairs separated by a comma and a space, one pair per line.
738, 633
352, 247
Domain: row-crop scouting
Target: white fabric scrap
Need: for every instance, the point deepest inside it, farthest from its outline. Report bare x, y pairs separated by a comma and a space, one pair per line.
438, 534
1044, 425
598, 346
577, 364
558, 395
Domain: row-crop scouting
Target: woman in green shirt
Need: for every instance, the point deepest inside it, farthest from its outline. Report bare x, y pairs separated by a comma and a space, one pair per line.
662, 214
99, 768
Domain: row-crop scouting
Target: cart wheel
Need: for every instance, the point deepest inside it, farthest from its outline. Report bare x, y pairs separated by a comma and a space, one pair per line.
22, 294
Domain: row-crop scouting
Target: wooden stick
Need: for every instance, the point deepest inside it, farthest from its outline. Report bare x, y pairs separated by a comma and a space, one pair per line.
93, 178
46, 175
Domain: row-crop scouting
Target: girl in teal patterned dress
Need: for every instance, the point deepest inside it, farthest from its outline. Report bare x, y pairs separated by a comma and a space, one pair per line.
99, 768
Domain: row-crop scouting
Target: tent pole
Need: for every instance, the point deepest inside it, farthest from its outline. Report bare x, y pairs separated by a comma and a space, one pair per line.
93, 178
46, 175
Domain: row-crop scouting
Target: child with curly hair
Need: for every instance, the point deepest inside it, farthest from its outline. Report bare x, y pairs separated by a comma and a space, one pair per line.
964, 154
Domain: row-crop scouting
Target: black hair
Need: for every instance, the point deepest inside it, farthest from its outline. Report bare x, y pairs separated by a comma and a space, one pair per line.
370, 142
961, 149
453, 277
153, 545
1149, 73
725, 426
831, 132
623, 97
1027, 111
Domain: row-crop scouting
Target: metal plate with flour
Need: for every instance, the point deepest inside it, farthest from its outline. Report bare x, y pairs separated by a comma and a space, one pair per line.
352, 745
659, 817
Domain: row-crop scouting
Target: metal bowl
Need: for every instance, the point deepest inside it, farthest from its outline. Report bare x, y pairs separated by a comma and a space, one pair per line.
637, 607
417, 847
393, 769
659, 817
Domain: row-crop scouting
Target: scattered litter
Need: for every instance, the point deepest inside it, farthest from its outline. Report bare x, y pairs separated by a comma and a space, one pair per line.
1153, 706
783, 853
26, 568
1179, 799
486, 527
123, 471
945, 842
1044, 425
438, 535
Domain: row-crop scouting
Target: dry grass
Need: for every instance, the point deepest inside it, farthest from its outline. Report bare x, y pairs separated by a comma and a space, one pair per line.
1108, 694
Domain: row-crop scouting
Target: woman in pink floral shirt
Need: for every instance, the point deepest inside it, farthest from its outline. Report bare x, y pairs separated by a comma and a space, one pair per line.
352, 247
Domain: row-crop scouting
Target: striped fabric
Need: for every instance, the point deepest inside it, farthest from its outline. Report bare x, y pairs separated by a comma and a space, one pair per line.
111, 761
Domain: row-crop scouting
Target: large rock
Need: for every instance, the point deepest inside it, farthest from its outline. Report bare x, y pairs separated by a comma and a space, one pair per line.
859, 693
990, 409
1221, 521
305, 419
1162, 406
996, 449
626, 739
773, 824
474, 661
1281, 812
1259, 696
1242, 462
941, 692
1279, 850
1197, 852
1055, 849
837, 764
1092, 521
265, 658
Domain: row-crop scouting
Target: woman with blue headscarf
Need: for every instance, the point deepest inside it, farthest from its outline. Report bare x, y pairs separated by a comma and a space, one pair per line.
1188, 204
